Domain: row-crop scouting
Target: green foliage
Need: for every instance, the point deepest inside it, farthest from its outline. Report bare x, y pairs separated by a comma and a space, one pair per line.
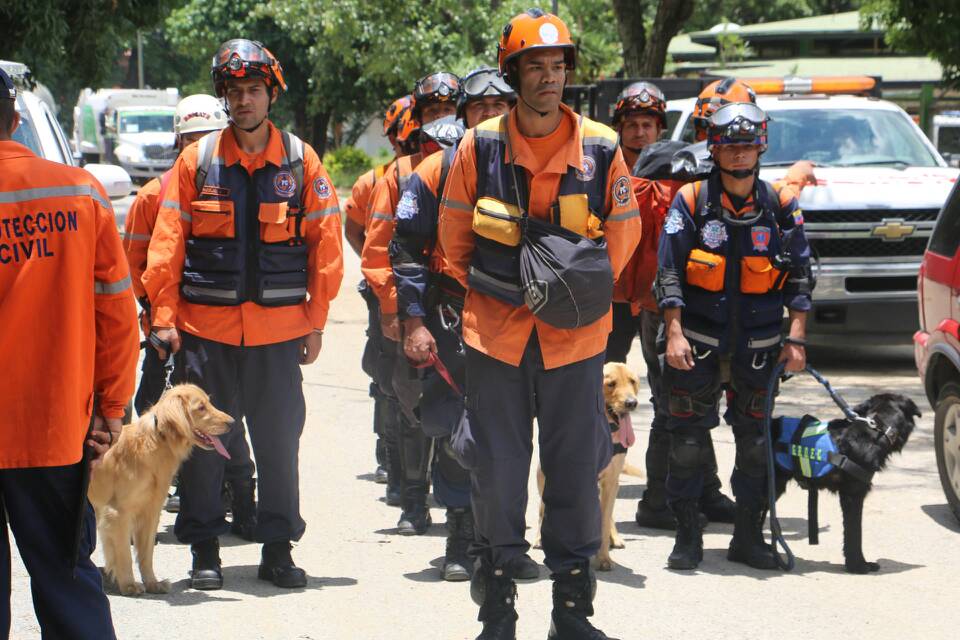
707, 12
930, 26
345, 164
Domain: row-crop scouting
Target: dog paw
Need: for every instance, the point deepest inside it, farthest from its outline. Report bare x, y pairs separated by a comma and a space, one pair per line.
604, 564
537, 544
616, 543
158, 586
132, 589
862, 567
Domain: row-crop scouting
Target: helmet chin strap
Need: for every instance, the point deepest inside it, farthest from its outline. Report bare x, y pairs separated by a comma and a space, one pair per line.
251, 129
542, 114
741, 173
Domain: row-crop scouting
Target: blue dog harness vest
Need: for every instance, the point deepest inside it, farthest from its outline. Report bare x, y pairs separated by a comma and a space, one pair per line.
805, 444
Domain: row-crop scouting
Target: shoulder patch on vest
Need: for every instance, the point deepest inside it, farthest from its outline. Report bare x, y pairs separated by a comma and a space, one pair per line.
674, 222
284, 184
322, 188
589, 169
621, 191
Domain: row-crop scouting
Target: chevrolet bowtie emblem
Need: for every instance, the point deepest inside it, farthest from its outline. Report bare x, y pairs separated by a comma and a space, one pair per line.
893, 230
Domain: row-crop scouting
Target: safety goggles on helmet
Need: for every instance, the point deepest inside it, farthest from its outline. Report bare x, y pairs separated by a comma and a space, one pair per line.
485, 82
641, 97
718, 93
437, 87
240, 58
738, 123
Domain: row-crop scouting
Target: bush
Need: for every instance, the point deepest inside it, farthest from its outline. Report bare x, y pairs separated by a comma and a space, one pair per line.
346, 164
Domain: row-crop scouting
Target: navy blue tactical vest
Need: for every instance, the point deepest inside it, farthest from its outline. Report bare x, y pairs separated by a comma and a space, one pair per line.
729, 317
495, 267
247, 241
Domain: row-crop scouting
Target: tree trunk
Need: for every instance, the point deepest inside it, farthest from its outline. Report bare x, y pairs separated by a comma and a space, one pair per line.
318, 139
671, 14
633, 35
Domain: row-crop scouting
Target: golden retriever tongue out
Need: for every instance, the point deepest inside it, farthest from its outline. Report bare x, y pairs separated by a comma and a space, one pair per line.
214, 441
625, 432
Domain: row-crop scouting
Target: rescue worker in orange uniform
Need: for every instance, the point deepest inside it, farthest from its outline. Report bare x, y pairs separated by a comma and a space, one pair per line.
434, 96
385, 408
639, 117
537, 175
244, 260
430, 304
195, 116
659, 172
69, 346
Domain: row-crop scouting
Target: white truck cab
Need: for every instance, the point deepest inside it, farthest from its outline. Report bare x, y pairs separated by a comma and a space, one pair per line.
946, 136
880, 185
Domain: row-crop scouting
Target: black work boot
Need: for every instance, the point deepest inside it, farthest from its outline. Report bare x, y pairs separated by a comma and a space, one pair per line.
717, 507
457, 565
206, 574
688, 548
748, 545
573, 592
652, 509
380, 475
415, 518
523, 568
496, 594
244, 508
394, 493
276, 565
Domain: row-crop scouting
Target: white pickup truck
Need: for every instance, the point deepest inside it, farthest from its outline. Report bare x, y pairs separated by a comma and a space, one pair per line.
880, 185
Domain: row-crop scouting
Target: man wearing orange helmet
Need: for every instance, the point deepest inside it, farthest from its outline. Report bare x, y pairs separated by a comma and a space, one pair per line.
385, 408
434, 96
244, 261
539, 178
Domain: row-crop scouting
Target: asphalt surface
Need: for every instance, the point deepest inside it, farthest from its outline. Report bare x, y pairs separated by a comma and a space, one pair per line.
367, 582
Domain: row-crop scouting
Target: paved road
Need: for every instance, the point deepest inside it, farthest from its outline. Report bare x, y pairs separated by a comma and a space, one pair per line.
367, 582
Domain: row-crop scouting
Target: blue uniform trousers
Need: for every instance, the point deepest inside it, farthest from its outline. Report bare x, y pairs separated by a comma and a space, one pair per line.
42, 506
575, 446
264, 386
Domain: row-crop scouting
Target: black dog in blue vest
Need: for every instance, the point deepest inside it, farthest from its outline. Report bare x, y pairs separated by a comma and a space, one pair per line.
842, 456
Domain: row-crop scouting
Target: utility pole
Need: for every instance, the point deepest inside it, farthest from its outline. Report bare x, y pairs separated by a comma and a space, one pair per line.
555, 7
139, 59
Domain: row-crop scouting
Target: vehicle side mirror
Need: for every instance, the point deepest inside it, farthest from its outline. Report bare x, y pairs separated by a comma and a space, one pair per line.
115, 180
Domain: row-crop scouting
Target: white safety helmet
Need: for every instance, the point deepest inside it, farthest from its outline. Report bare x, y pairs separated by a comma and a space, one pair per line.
199, 113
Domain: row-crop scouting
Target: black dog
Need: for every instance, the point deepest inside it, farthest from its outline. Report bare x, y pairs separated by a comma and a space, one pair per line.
862, 449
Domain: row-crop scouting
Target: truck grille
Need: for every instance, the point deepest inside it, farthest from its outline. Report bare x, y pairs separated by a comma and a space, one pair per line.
159, 152
870, 215
867, 247
869, 233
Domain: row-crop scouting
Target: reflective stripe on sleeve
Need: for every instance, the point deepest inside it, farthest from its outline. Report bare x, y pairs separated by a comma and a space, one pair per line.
137, 237
626, 215
329, 211
381, 216
173, 204
38, 193
456, 204
107, 288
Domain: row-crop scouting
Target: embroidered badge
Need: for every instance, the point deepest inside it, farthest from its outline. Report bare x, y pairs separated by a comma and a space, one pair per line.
589, 169
218, 192
322, 187
407, 207
674, 222
621, 191
284, 184
760, 237
798, 217
714, 234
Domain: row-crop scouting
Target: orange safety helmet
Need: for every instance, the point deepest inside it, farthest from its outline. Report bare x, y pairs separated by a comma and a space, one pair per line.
641, 97
392, 116
242, 58
407, 125
715, 95
534, 29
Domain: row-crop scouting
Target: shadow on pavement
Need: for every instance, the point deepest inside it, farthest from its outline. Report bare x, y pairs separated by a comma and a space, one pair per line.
243, 579
942, 515
715, 563
623, 575
631, 491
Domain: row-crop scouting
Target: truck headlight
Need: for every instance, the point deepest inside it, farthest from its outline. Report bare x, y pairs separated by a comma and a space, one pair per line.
129, 155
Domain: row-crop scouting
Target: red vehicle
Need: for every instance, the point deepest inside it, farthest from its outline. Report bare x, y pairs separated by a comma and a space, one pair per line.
937, 343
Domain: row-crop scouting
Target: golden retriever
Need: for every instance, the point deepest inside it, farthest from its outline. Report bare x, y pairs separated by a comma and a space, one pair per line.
620, 389
129, 487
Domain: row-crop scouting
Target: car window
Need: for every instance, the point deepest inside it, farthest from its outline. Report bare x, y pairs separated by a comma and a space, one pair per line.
26, 133
948, 139
689, 132
946, 235
845, 138
58, 149
146, 121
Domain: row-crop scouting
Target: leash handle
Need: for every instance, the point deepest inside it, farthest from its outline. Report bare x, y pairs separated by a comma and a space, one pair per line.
160, 343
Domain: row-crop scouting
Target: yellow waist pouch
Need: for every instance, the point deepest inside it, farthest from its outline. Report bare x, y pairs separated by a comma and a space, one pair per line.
576, 216
497, 221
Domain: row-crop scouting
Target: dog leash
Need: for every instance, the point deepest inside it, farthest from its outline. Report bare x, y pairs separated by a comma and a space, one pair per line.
434, 361
168, 365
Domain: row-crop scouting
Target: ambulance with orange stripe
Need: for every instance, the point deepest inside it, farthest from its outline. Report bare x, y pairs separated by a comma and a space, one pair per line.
880, 185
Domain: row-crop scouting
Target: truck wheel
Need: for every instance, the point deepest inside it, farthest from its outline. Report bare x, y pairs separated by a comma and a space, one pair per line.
946, 433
